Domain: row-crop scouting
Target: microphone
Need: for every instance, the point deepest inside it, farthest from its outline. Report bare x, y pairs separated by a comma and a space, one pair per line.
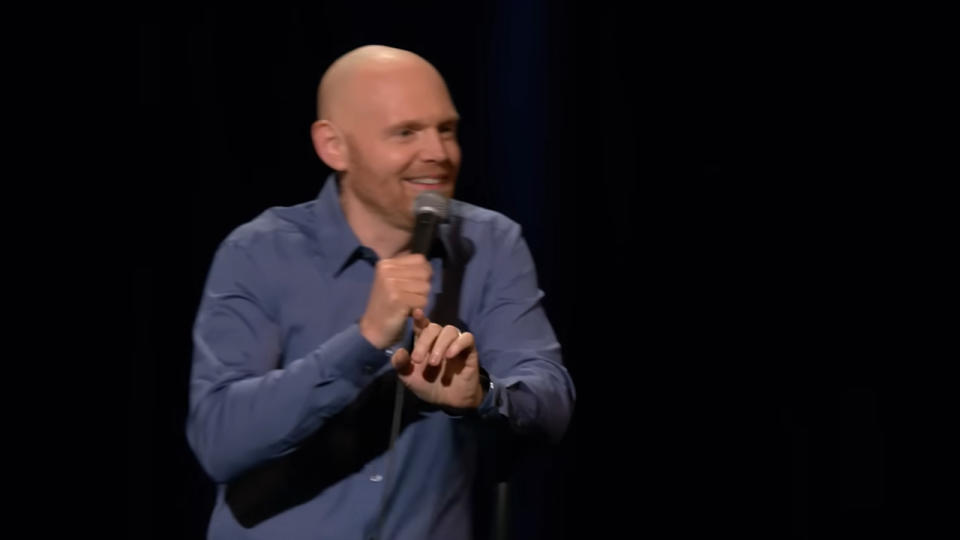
429, 208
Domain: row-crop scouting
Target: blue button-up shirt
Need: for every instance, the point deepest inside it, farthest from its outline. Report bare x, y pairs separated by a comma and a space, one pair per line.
290, 407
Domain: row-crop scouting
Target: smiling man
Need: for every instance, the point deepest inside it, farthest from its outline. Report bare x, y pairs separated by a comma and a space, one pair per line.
388, 126
306, 406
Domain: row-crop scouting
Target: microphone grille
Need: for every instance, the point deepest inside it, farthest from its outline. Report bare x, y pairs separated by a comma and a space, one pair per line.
431, 202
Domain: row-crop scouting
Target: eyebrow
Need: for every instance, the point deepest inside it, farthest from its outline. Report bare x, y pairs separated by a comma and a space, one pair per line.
416, 124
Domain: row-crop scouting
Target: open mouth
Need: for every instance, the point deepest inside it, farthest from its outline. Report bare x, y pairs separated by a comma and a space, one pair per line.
428, 182
425, 181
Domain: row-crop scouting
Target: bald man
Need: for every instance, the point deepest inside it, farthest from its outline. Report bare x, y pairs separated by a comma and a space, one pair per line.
306, 406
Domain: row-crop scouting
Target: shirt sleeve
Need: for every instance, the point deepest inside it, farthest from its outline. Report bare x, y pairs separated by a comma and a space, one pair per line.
518, 348
243, 408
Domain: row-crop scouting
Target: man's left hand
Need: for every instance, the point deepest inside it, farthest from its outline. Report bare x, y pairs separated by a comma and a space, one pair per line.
443, 368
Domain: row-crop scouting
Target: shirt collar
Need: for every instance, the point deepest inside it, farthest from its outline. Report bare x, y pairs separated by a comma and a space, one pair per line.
337, 242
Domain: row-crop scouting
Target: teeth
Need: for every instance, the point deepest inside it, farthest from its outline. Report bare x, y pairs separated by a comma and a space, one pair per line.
430, 181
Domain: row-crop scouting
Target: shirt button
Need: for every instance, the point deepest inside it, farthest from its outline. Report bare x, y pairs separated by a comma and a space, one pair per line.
368, 368
376, 478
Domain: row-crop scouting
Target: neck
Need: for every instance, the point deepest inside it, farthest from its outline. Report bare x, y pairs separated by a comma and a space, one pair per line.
386, 240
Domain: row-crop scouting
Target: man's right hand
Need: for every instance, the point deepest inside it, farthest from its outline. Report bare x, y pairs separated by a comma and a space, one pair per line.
400, 285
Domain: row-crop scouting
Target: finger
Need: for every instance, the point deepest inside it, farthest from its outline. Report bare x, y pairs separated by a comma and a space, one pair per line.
407, 272
449, 334
416, 286
420, 320
463, 342
401, 362
412, 264
411, 259
424, 342
413, 301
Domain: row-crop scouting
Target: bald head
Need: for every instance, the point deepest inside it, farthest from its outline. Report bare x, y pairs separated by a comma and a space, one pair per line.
387, 125
351, 77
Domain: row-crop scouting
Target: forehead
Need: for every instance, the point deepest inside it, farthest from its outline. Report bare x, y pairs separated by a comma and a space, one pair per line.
398, 94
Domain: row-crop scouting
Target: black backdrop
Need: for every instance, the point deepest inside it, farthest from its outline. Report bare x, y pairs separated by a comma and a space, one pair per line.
684, 181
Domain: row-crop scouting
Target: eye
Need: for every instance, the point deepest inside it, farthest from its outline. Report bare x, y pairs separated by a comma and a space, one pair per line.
448, 129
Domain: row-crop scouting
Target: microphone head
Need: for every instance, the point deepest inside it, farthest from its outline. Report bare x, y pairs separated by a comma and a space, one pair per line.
431, 202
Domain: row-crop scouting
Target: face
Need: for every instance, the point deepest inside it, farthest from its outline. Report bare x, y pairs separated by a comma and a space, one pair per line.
401, 140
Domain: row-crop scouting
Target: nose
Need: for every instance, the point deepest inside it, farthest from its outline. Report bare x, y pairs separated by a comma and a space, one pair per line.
434, 147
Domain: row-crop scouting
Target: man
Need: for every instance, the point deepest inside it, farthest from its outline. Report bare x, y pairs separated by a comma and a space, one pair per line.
302, 333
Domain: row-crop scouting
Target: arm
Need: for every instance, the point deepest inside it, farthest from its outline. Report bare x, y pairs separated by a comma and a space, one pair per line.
517, 346
243, 408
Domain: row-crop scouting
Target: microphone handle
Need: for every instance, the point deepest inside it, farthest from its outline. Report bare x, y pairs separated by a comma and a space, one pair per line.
423, 232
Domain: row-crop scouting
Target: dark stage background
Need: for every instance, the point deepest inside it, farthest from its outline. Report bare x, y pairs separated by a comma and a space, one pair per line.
689, 185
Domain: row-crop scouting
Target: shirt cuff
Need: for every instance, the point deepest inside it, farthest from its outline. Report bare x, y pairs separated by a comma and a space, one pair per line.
490, 405
348, 355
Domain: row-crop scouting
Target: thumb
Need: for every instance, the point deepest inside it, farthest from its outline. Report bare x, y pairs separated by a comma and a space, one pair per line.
420, 321
401, 362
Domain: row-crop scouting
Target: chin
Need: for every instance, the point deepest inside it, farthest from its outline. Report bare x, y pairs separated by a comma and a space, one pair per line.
445, 186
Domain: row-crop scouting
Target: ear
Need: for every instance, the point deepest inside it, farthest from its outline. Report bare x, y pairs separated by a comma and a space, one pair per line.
329, 144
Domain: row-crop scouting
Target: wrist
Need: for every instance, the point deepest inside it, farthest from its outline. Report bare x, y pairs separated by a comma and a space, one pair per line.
486, 385
372, 337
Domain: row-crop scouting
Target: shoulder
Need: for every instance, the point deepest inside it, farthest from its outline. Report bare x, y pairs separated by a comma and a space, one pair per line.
273, 225
476, 220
